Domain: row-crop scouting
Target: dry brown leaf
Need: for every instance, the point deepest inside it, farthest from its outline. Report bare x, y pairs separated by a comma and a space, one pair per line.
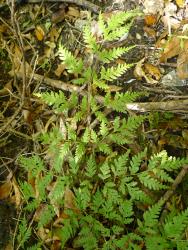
139, 73
73, 12
39, 33
152, 70
171, 49
5, 189
69, 199
150, 20
59, 70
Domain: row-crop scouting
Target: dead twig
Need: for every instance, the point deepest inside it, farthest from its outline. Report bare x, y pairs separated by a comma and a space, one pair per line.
172, 106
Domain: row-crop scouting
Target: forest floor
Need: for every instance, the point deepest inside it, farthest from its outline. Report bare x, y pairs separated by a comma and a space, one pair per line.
29, 37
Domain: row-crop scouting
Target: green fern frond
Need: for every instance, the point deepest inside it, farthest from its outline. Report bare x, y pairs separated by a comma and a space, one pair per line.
103, 129
154, 242
91, 167
119, 167
120, 18
112, 73
131, 240
27, 190
33, 164
100, 84
151, 216
64, 149
105, 171
118, 102
94, 137
106, 56
35, 247
41, 184
174, 229
58, 189
104, 148
90, 40
136, 161
126, 210
86, 135
161, 174
80, 151
136, 193
24, 232
101, 116
73, 65
150, 182
46, 216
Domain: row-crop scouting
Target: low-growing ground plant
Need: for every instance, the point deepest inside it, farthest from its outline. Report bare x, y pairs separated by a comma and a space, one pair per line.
89, 189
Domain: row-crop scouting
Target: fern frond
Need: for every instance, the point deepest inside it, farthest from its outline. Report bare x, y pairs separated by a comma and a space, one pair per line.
136, 161
119, 167
150, 182
46, 216
90, 40
64, 149
118, 102
126, 210
104, 148
86, 135
174, 229
136, 193
116, 20
27, 190
156, 242
103, 129
80, 151
151, 216
33, 164
58, 189
112, 73
106, 56
24, 232
41, 184
105, 171
73, 65
91, 167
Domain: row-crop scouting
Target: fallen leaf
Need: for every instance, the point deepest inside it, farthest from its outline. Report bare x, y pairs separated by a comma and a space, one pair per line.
39, 33
69, 199
73, 12
152, 70
60, 68
150, 19
139, 73
5, 190
171, 49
